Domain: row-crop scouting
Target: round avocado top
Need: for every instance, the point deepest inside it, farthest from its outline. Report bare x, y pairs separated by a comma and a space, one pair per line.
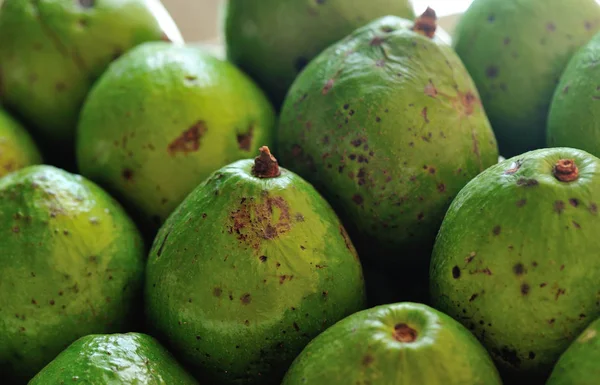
516, 52
161, 108
247, 270
17, 148
396, 343
104, 359
71, 264
517, 239
53, 51
274, 40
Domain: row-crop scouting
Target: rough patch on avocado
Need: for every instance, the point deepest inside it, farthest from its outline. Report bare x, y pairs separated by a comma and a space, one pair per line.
189, 140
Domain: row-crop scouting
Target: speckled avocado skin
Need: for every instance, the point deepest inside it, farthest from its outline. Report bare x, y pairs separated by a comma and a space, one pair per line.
273, 40
114, 359
162, 119
71, 264
53, 50
516, 259
17, 148
361, 349
246, 272
578, 365
387, 125
574, 120
516, 50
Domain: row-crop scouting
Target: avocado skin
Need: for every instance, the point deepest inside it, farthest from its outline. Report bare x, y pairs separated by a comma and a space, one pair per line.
514, 261
114, 359
17, 147
573, 120
273, 40
364, 351
246, 272
516, 51
52, 51
387, 125
578, 365
71, 264
163, 108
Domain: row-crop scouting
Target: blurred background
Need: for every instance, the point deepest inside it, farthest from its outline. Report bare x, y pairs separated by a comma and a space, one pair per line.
199, 20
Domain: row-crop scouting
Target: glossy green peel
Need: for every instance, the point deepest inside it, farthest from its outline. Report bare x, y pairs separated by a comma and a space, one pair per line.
17, 148
273, 40
246, 272
516, 257
162, 119
114, 359
71, 264
53, 50
516, 51
397, 344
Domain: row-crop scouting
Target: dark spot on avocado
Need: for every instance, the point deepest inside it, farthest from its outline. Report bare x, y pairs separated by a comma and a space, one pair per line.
87, 3
33, 301
576, 225
51, 302
491, 18
492, 72
162, 245
377, 119
424, 114
551, 27
509, 356
60, 86
300, 63
506, 40
496, 230
559, 207
189, 140
524, 289
356, 143
574, 202
420, 216
456, 272
559, 292
367, 360
358, 199
543, 284
244, 140
430, 89
16, 229
531, 355
441, 187
527, 182
246, 322
127, 174
217, 291
263, 258
347, 241
246, 299
327, 87
254, 221
518, 269
376, 41
551, 321
593, 208
473, 297
521, 202
296, 327
282, 279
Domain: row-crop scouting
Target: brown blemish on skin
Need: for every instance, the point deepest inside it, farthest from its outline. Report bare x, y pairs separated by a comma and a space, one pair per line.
521, 202
358, 199
328, 86
441, 187
524, 289
404, 333
424, 114
492, 72
347, 240
559, 207
244, 140
468, 101
576, 225
367, 360
473, 297
566, 170
551, 27
263, 258
574, 202
217, 291
593, 208
376, 41
559, 292
514, 167
496, 230
60, 86
519, 269
189, 140
527, 182
426, 24
127, 174
246, 299
430, 89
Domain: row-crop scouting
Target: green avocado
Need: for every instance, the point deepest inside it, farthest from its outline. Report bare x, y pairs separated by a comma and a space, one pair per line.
17, 148
52, 51
516, 50
395, 344
72, 264
516, 257
573, 120
578, 365
249, 268
272, 40
114, 359
388, 126
162, 119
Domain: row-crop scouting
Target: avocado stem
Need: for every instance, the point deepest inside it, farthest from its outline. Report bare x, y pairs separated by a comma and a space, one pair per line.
265, 165
404, 333
426, 24
566, 170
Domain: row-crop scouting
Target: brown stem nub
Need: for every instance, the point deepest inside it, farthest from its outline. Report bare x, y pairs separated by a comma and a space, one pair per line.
265, 165
426, 24
404, 333
566, 170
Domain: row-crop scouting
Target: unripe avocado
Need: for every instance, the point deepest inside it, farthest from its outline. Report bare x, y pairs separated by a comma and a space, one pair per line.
516, 50
17, 148
573, 120
272, 40
162, 119
52, 51
71, 264
387, 125
114, 359
516, 259
250, 267
578, 365
396, 344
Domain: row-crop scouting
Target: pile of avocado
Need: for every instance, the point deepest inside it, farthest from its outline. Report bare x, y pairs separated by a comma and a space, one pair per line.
351, 196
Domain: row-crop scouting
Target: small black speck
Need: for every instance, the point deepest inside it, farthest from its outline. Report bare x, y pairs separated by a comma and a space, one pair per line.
531, 355
456, 272
524, 289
